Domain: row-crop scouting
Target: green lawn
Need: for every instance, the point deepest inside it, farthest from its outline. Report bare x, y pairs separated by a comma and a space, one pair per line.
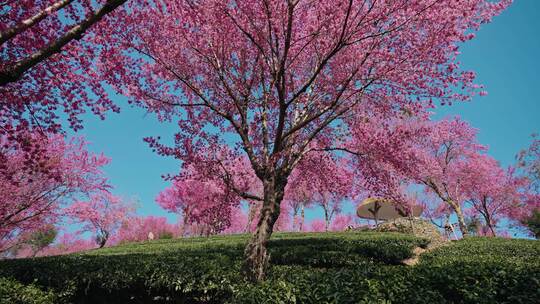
306, 268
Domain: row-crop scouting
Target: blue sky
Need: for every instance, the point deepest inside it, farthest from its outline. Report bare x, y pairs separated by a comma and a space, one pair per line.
505, 55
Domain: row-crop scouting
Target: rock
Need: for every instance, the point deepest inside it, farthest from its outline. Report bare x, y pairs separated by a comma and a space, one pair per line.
416, 226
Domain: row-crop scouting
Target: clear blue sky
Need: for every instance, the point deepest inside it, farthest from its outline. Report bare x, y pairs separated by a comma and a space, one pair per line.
505, 55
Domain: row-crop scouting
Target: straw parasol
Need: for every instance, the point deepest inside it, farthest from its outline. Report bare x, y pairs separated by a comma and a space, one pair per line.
385, 209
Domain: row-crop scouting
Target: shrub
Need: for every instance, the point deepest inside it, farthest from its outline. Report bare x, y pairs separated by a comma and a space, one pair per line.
13, 292
165, 235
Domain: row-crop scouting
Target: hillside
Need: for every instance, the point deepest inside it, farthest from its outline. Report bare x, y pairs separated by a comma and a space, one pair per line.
306, 268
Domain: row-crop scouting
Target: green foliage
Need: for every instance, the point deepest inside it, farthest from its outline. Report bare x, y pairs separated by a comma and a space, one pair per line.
533, 223
42, 238
306, 268
165, 235
13, 292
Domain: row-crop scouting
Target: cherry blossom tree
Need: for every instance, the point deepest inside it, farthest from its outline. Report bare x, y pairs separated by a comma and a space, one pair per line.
444, 157
415, 150
333, 185
319, 178
299, 195
103, 214
203, 205
277, 80
493, 193
33, 199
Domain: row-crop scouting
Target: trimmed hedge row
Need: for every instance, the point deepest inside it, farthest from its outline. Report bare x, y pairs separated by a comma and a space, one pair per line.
307, 268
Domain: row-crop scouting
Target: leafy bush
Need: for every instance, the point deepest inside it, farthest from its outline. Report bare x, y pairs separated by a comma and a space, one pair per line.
13, 292
307, 268
165, 235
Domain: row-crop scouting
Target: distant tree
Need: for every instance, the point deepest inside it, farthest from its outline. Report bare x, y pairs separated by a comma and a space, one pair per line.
103, 214
317, 225
492, 192
137, 228
67, 243
31, 199
342, 222
40, 239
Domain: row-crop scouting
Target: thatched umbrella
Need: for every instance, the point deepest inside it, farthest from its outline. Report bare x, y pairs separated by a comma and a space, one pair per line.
384, 209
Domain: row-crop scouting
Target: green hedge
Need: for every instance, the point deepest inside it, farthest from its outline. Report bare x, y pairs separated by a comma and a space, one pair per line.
306, 268
13, 292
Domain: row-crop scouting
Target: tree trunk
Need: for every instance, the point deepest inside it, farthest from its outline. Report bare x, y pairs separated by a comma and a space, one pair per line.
251, 215
303, 216
326, 219
255, 254
295, 218
102, 239
461, 220
487, 218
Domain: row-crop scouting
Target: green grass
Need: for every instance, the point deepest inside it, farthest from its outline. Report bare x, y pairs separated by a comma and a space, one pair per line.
306, 268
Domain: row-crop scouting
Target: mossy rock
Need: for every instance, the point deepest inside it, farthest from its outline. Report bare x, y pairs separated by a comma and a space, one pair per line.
416, 226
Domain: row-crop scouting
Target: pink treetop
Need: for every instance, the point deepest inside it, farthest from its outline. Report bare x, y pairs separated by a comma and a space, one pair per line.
385, 152
31, 199
239, 222
319, 178
317, 225
66, 243
103, 214
443, 158
342, 222
137, 228
199, 202
493, 193
45, 69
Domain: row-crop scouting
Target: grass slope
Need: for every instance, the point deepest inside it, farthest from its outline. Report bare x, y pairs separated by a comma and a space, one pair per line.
306, 268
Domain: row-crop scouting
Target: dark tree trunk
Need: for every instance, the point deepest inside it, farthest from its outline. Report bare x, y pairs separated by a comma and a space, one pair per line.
487, 218
102, 238
326, 219
256, 255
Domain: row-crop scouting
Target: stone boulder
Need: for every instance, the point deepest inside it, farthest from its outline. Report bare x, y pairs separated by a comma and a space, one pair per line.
416, 226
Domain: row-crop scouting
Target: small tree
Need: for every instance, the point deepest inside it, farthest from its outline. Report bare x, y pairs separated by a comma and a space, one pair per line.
40, 239
533, 223
103, 214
